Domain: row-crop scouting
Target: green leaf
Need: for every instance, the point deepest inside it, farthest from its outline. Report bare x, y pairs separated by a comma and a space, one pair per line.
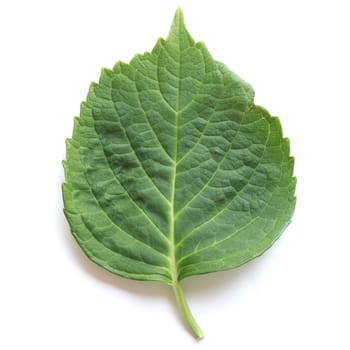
172, 171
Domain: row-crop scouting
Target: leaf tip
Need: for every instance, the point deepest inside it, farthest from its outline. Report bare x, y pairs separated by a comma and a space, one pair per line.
178, 22
178, 31
179, 14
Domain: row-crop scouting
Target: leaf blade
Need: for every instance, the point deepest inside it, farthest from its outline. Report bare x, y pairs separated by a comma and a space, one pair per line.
172, 171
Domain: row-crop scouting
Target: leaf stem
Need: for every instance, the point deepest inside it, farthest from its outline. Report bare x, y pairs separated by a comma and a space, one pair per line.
186, 312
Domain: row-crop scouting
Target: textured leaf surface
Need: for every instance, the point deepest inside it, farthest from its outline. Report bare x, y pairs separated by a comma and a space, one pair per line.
172, 170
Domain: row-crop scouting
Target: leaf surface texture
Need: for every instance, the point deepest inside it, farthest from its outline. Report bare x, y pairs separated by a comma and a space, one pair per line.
172, 170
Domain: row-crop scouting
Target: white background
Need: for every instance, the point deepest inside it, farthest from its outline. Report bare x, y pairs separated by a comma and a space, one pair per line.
296, 296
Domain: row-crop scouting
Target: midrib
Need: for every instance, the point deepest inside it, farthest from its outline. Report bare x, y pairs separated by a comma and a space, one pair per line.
174, 271
172, 215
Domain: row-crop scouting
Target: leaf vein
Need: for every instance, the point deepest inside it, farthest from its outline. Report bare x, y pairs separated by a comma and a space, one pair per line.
229, 203
121, 183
